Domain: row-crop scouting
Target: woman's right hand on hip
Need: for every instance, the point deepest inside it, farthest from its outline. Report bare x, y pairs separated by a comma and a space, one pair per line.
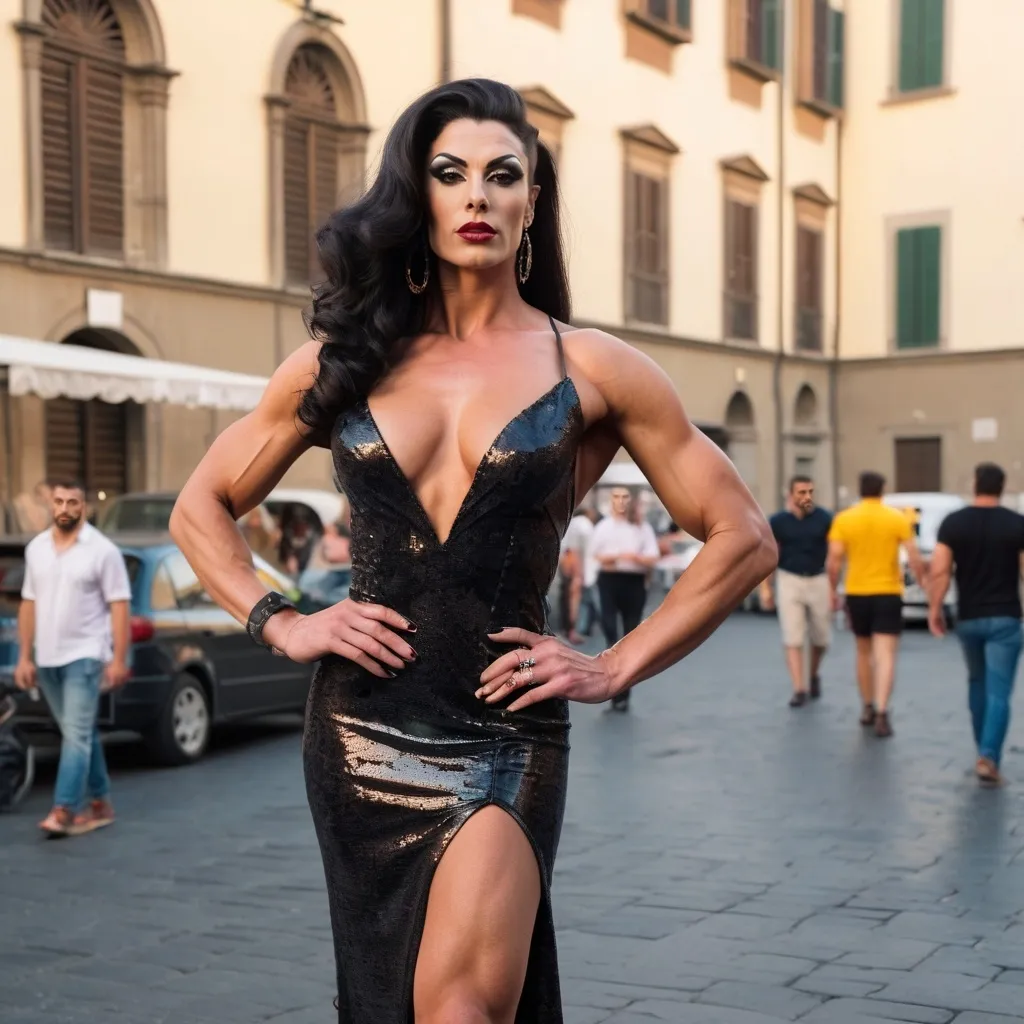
367, 634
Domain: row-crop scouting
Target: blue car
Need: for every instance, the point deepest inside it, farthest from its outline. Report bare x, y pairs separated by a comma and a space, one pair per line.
193, 665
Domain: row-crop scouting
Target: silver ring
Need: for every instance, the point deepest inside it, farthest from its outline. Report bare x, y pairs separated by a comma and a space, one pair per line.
528, 663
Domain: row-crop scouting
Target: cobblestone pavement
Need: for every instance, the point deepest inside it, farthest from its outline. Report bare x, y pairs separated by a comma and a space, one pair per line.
724, 861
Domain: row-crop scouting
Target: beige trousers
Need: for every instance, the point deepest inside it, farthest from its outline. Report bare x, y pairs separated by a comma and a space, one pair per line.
804, 606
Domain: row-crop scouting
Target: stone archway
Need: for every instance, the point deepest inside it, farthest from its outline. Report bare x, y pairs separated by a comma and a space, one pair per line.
741, 427
99, 444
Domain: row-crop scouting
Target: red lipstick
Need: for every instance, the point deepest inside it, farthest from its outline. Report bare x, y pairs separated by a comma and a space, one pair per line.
476, 231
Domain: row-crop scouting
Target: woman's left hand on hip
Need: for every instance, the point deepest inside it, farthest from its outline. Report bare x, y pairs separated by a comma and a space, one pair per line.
543, 668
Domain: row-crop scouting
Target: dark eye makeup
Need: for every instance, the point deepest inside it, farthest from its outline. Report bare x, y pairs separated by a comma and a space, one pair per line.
449, 170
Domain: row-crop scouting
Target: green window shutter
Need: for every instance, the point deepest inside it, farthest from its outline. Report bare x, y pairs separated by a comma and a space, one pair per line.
771, 34
837, 33
683, 14
932, 43
929, 253
918, 285
911, 24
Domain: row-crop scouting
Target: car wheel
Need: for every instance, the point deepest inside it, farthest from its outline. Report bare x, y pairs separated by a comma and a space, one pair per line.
183, 732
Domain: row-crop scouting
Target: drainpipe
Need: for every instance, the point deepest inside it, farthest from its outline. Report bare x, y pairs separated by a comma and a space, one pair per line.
780, 297
833, 369
445, 32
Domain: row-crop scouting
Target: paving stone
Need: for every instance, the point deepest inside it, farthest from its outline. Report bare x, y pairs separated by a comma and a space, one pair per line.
821, 874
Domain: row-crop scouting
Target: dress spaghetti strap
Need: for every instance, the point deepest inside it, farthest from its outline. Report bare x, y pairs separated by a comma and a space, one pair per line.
558, 341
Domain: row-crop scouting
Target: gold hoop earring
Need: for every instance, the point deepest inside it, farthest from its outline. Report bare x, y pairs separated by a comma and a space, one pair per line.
524, 258
418, 289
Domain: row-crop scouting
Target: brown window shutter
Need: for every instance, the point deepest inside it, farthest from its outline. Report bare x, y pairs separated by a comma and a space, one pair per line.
58, 159
106, 446
297, 201
325, 154
64, 456
103, 160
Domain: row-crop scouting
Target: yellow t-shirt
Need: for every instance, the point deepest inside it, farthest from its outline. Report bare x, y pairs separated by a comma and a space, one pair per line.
872, 533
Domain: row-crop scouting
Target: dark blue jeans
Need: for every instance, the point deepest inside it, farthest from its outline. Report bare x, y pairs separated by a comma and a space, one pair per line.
992, 648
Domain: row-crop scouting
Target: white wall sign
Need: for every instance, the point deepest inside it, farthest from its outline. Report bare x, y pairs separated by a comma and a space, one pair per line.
104, 309
986, 429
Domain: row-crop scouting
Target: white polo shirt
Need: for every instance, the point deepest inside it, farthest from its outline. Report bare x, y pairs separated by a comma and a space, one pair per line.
620, 537
73, 590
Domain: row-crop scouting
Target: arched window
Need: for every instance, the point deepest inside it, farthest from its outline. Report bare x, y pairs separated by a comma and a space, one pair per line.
805, 408
317, 136
739, 412
312, 140
82, 127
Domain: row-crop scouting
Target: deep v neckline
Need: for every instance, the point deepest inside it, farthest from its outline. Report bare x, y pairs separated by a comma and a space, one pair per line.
481, 465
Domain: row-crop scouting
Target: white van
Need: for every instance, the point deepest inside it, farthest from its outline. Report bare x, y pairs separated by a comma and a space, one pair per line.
926, 509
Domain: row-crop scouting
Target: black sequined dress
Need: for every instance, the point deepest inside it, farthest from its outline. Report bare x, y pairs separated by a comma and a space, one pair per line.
395, 767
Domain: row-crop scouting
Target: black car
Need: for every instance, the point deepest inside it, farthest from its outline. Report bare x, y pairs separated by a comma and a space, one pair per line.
193, 666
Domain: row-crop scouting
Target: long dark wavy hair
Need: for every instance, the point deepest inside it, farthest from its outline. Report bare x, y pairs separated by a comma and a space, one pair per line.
364, 310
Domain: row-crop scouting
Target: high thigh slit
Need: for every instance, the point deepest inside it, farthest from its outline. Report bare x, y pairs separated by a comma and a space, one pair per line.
394, 768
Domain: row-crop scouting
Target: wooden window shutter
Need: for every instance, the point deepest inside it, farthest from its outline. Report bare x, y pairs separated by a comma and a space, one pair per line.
296, 200
64, 455
58, 154
922, 44
771, 34
918, 464
312, 156
106, 446
820, 61
647, 247
836, 61
809, 252
918, 287
683, 14
103, 185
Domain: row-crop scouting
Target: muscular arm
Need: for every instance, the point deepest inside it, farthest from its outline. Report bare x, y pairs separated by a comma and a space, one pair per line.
242, 466
834, 563
701, 491
939, 577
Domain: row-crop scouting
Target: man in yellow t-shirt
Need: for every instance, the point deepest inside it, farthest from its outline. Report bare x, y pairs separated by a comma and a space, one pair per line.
868, 537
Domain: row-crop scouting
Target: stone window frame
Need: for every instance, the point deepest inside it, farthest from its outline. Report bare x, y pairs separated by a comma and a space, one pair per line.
895, 95
942, 219
650, 40
743, 181
547, 12
649, 152
348, 85
549, 115
146, 93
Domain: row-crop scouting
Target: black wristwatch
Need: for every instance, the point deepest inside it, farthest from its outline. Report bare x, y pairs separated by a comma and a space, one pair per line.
265, 607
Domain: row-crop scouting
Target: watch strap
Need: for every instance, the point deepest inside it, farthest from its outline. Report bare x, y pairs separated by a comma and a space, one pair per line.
264, 609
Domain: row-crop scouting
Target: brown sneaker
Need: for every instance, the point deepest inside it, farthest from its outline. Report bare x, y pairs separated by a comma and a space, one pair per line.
799, 699
883, 727
988, 772
867, 716
99, 815
58, 823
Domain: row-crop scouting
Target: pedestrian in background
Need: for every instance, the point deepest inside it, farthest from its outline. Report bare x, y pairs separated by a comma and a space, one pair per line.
984, 545
805, 600
74, 612
867, 537
625, 552
581, 610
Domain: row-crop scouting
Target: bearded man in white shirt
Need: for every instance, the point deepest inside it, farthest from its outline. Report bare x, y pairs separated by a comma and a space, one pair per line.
74, 630
625, 552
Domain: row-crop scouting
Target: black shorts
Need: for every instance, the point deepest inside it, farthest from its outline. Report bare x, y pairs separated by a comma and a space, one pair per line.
875, 613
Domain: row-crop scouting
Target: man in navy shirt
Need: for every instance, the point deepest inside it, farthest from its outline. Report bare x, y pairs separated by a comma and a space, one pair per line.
805, 600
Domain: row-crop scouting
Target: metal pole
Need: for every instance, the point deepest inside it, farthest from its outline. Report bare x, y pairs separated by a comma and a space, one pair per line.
833, 377
781, 277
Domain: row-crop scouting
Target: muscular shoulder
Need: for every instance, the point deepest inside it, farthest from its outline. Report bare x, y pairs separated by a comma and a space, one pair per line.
290, 381
623, 375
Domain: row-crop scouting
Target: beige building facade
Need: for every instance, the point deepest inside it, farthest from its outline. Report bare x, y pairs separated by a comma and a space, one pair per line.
728, 211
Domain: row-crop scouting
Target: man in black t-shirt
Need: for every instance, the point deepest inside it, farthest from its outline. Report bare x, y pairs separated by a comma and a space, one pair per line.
983, 545
803, 596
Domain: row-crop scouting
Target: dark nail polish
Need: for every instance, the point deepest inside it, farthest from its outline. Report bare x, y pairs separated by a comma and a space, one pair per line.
410, 626
414, 656
392, 675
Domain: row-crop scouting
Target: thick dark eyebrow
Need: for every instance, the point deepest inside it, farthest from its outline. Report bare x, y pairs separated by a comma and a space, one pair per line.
448, 156
504, 160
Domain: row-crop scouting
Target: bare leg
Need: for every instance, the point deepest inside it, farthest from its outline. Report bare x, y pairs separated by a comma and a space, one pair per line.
817, 653
884, 649
480, 916
795, 664
865, 671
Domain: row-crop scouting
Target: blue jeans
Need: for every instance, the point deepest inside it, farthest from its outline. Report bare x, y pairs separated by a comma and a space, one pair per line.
73, 693
992, 647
